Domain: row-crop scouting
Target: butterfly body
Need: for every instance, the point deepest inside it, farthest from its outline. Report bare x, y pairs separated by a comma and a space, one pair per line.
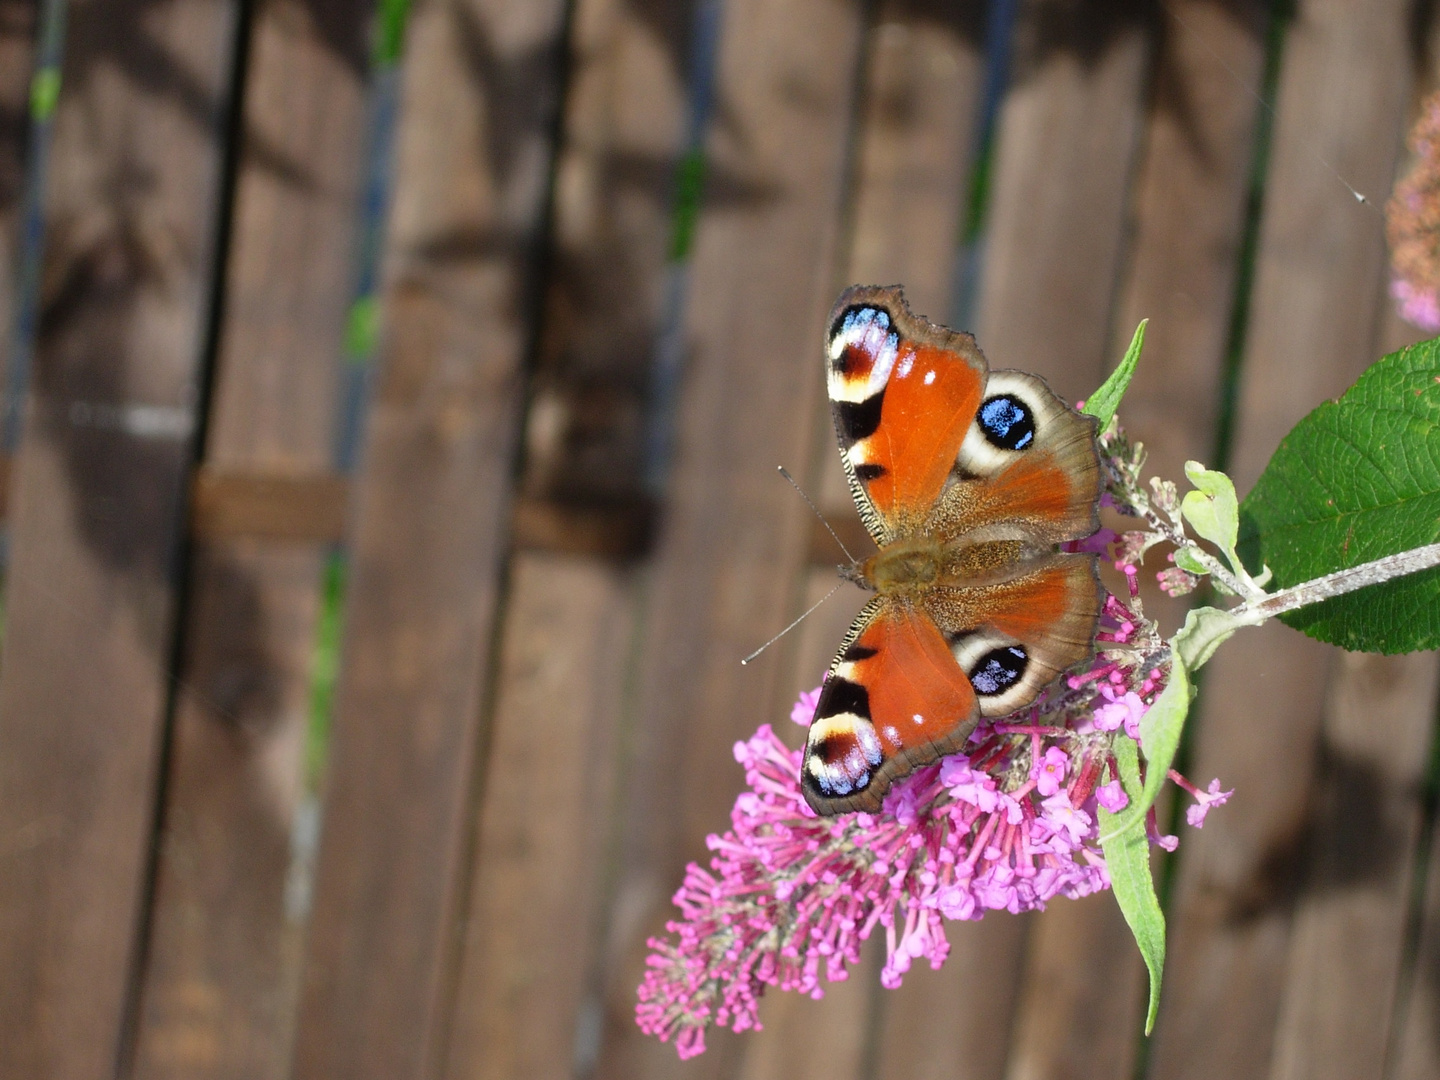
968, 480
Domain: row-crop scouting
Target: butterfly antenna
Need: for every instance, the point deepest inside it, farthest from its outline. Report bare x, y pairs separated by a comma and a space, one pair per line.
794, 624
786, 474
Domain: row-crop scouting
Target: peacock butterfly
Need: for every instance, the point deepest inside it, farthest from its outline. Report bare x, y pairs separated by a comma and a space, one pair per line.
969, 480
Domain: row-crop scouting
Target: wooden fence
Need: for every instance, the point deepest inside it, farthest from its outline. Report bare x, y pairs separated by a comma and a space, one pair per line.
614, 228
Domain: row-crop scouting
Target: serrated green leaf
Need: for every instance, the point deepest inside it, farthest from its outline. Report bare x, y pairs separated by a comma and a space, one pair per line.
1212, 508
1122, 835
1356, 480
1104, 401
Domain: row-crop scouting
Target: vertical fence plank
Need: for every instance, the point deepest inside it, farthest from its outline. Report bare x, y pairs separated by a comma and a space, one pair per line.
479, 102
1345, 84
1346, 952
531, 925
526, 1006
1191, 196
1051, 269
1416, 1046
219, 990
916, 145
734, 542
17, 42
1052, 249
135, 173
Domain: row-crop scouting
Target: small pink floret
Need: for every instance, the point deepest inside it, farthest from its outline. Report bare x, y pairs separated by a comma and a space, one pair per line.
1112, 796
803, 711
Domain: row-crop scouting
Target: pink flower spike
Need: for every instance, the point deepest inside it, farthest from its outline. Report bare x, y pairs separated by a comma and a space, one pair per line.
803, 711
1112, 796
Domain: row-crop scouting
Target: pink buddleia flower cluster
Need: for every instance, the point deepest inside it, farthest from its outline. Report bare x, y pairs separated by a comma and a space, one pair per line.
1007, 825
1412, 225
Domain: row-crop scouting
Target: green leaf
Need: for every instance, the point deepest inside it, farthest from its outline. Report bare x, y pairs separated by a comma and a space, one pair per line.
1103, 403
1204, 630
1212, 509
1127, 857
1185, 560
1356, 480
1122, 835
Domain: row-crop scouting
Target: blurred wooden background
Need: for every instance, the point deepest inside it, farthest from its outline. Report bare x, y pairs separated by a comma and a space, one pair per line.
469, 336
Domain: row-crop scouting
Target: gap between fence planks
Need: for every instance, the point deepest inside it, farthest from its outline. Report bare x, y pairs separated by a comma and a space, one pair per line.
480, 97
17, 50
1344, 87
220, 986
96, 522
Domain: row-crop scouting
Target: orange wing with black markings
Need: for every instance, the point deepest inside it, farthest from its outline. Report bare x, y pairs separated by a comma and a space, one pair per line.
894, 700
968, 480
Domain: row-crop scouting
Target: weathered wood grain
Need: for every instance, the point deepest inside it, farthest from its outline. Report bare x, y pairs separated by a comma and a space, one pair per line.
1191, 197
478, 113
527, 1004
1416, 1045
531, 928
916, 146
84, 682
734, 537
1342, 972
1052, 247
219, 989
1344, 89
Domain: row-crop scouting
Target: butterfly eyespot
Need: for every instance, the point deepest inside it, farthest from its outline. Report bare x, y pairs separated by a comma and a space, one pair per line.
999, 670
1007, 422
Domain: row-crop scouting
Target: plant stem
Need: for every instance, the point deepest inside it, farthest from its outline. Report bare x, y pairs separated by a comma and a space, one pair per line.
1344, 581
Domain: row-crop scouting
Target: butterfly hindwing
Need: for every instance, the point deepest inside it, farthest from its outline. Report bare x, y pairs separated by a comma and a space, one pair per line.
1012, 638
894, 700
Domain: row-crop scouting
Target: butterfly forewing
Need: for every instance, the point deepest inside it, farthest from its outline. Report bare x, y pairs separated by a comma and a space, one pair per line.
903, 395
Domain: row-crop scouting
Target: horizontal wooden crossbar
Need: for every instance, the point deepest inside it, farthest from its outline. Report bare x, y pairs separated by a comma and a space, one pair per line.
311, 509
